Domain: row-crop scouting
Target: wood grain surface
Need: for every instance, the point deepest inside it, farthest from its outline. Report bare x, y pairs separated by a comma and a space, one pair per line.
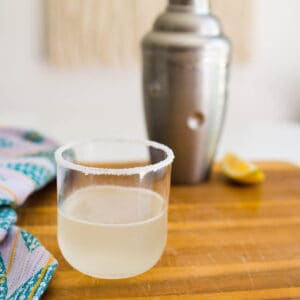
82, 33
225, 242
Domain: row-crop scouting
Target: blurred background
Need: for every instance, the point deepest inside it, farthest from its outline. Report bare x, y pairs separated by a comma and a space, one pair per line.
71, 100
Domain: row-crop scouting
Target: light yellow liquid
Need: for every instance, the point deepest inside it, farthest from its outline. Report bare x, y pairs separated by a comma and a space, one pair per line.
112, 232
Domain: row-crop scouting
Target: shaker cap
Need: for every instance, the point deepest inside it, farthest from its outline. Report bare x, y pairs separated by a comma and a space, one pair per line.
199, 6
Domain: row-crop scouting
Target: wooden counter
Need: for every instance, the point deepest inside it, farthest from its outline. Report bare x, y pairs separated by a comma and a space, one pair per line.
225, 242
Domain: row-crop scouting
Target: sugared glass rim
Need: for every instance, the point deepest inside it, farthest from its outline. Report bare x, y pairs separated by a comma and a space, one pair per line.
118, 171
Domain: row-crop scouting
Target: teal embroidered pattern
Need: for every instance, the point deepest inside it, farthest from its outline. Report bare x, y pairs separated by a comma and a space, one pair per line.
33, 136
3, 280
5, 143
30, 265
40, 175
30, 241
48, 155
24, 291
45, 281
8, 217
6, 201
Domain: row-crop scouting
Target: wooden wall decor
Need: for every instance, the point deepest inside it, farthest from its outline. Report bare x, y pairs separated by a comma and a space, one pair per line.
237, 20
90, 32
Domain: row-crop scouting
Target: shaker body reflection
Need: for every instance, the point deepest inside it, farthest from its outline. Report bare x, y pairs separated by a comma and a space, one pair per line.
185, 74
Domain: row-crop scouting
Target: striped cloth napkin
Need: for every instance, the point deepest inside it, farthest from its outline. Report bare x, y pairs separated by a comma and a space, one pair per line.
26, 165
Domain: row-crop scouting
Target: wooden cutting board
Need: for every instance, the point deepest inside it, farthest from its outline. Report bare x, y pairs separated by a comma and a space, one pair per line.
225, 242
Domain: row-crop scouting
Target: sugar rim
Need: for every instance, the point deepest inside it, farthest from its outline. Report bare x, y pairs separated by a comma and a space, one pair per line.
120, 171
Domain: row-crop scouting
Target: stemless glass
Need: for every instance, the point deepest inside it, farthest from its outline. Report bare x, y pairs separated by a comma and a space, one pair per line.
113, 205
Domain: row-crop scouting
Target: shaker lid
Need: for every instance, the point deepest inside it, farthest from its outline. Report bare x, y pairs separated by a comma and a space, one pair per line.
197, 6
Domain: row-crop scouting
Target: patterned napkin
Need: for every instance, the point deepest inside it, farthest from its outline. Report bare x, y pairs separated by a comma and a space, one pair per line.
26, 165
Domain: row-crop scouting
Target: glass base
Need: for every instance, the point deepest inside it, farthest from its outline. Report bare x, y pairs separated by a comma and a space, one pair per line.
111, 276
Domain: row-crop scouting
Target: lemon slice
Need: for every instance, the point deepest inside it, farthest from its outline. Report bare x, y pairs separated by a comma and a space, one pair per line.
241, 171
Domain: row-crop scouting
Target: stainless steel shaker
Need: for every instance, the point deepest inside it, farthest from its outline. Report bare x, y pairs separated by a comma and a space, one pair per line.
185, 73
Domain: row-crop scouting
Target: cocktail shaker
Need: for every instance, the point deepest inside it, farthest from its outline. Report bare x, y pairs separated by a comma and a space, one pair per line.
185, 73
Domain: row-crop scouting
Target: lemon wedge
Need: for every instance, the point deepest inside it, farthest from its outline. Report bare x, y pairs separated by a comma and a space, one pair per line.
241, 171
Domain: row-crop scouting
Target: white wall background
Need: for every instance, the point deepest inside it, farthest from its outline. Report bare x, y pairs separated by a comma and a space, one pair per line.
108, 102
